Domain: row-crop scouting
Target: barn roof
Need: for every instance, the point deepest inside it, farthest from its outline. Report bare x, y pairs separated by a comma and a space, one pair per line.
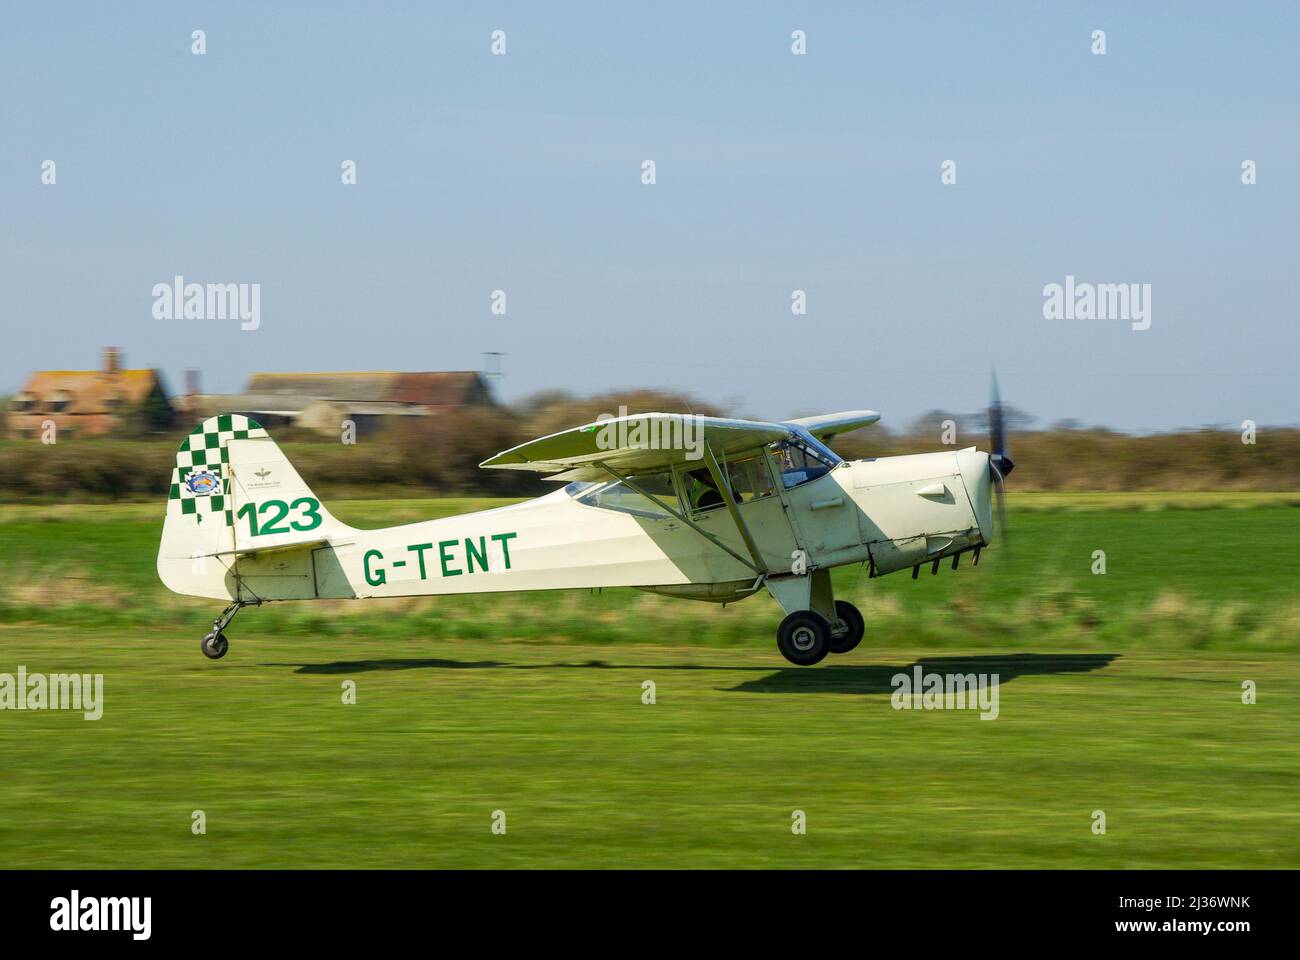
450, 388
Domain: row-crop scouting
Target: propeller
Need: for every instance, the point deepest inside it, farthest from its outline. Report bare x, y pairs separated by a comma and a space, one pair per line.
1000, 463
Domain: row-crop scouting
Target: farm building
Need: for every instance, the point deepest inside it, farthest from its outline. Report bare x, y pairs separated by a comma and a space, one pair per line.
323, 401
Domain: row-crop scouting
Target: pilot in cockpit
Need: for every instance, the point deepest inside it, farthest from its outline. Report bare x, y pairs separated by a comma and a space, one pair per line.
701, 491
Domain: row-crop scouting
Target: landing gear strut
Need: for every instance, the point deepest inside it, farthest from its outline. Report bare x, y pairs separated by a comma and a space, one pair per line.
215, 644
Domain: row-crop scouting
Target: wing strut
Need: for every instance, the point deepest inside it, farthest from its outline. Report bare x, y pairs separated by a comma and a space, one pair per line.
678, 515
724, 488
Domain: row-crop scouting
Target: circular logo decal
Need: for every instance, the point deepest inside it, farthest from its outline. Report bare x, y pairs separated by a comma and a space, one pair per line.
203, 483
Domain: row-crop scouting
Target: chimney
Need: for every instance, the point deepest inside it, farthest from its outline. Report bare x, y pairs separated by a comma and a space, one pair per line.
112, 360
192, 381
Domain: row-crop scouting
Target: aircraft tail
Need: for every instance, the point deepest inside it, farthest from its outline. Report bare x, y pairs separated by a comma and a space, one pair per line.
235, 498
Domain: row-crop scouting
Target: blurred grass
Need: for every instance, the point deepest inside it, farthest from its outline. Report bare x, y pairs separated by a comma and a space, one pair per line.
1119, 692
379, 512
445, 732
1219, 574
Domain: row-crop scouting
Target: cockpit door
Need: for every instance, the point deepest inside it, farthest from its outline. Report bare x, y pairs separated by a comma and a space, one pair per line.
826, 514
761, 509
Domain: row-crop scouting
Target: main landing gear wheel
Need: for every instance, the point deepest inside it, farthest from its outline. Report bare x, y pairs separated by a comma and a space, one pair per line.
847, 633
214, 646
804, 638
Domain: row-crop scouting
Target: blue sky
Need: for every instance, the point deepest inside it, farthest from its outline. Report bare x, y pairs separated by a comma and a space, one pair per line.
775, 173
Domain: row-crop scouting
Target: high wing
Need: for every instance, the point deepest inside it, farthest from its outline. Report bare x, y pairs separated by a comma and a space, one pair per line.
827, 425
640, 443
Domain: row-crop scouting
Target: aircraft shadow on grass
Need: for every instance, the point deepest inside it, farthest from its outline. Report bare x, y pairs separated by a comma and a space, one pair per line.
434, 663
878, 678
864, 679
366, 666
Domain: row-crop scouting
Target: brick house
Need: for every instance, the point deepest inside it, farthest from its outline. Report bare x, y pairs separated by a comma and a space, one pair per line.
90, 403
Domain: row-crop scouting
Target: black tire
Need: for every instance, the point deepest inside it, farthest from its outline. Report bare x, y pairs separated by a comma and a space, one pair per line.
804, 638
214, 646
849, 614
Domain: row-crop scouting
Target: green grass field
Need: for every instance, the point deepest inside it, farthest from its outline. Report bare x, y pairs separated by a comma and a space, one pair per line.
1119, 693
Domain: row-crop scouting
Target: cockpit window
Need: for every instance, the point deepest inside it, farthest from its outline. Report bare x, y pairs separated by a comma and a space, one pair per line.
798, 462
701, 492
619, 496
798, 458
750, 479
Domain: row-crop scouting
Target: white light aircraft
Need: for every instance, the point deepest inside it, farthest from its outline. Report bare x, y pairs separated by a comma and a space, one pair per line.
703, 508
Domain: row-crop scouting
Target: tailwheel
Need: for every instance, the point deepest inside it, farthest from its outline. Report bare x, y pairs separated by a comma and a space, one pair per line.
214, 645
804, 638
847, 631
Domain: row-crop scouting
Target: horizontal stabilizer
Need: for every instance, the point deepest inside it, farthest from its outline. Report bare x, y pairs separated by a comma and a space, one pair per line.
246, 551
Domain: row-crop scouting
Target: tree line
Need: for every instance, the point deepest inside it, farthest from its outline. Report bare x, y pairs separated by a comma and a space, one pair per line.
439, 455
